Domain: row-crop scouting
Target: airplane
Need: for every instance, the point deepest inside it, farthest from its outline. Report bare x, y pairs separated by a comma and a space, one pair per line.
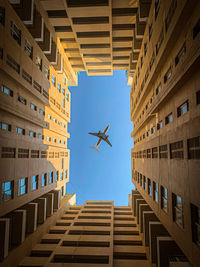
102, 136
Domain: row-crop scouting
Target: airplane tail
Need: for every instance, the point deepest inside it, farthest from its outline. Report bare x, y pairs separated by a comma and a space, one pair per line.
94, 148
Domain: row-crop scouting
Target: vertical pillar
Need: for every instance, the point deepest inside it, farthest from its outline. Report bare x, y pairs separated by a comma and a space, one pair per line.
18, 227
4, 237
50, 203
31, 219
57, 195
42, 208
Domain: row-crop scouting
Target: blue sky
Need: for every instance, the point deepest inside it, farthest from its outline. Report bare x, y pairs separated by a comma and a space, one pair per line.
97, 101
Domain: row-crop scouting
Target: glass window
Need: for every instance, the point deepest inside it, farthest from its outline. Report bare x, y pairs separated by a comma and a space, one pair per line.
44, 179
158, 89
53, 80
180, 54
2, 15
48, 116
42, 112
67, 96
62, 191
141, 180
64, 126
63, 91
63, 103
164, 198
61, 176
159, 125
46, 71
7, 191
32, 134
50, 177
38, 62
54, 120
149, 187
33, 107
28, 48
195, 219
22, 188
64, 80
62, 163
54, 140
155, 191
59, 141
145, 48
150, 30
48, 138
63, 142
59, 87
6, 91
59, 123
34, 182
15, 32
56, 175
183, 109
148, 133
40, 136
168, 75
145, 182
4, 126
178, 210
169, 119
21, 100
20, 130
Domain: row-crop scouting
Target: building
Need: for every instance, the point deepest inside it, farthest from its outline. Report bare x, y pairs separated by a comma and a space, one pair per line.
165, 111
43, 46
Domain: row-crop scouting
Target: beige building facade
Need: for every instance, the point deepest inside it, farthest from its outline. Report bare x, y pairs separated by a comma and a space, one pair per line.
165, 112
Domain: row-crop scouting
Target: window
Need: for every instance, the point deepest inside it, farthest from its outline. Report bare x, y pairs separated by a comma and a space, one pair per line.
6, 91
142, 61
148, 153
42, 112
7, 191
53, 80
2, 15
34, 182
59, 87
32, 134
54, 140
20, 130
176, 150
149, 187
56, 175
150, 30
148, 133
168, 75
1, 53
160, 40
194, 148
63, 142
164, 198
196, 29
158, 89
48, 138
157, 7
33, 107
154, 152
153, 130
141, 180
54, 120
159, 125
23, 153
145, 48
183, 109
67, 97
28, 48
48, 116
46, 71
145, 182
4, 126
65, 174
169, 119
50, 177
44, 179
155, 191
62, 163
21, 100
178, 210
62, 191
64, 80
163, 152
12, 63
170, 14
63, 103
61, 176
59, 123
22, 188
59, 141
38, 62
63, 91
195, 219
15, 32
180, 54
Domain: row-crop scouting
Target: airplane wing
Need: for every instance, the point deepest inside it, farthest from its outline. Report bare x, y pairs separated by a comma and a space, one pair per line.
98, 142
95, 134
106, 129
108, 142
